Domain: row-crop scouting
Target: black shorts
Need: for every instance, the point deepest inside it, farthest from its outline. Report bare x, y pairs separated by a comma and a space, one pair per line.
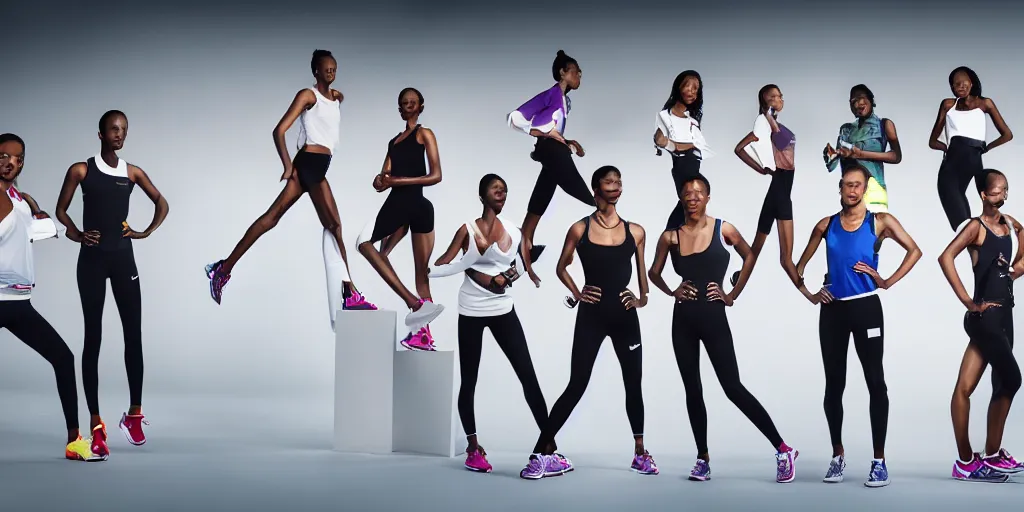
311, 168
778, 202
399, 210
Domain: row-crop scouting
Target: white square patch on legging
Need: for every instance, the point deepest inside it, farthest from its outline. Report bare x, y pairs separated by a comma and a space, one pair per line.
874, 332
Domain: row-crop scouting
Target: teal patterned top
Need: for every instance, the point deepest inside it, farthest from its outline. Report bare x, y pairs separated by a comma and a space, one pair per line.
868, 135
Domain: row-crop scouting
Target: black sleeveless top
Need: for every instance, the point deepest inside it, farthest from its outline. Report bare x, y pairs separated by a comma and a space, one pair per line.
608, 267
707, 266
105, 200
408, 161
992, 282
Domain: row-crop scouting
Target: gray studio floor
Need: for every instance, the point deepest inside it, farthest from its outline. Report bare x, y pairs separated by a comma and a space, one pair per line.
243, 457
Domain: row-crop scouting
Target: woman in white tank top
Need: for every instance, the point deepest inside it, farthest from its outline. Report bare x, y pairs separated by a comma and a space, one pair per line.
317, 109
962, 118
489, 246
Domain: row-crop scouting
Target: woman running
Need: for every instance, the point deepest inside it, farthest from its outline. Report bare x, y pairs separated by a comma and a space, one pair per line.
699, 256
850, 305
544, 117
318, 110
677, 130
605, 243
864, 142
488, 246
962, 118
107, 183
989, 325
405, 173
18, 231
779, 163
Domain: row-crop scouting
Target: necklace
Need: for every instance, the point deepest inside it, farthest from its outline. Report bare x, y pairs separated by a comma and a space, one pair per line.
603, 225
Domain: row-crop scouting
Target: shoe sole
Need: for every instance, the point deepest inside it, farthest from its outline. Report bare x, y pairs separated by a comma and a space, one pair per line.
1005, 471
645, 473
476, 470
833, 480
699, 478
876, 484
128, 436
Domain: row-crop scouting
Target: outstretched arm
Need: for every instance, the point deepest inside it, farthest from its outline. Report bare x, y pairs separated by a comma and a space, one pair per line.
1005, 135
735, 239
969, 235
142, 179
891, 228
426, 137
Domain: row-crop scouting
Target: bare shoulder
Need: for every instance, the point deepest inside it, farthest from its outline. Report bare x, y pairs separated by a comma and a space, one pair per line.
823, 223
577, 228
988, 105
637, 230
1013, 222
424, 134
135, 172
947, 103
306, 97
337, 95
78, 169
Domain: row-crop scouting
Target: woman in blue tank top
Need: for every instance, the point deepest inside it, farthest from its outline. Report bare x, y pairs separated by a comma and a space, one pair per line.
850, 305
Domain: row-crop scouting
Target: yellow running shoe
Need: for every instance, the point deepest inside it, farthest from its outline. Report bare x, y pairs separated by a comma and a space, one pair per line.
79, 450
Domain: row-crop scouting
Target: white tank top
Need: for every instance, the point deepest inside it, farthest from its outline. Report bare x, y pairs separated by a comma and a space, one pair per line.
17, 270
965, 123
475, 300
19, 202
321, 124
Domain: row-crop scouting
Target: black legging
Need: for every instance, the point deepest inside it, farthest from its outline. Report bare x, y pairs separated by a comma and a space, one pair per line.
693, 322
95, 266
684, 165
25, 323
557, 170
961, 164
864, 320
595, 322
992, 333
508, 333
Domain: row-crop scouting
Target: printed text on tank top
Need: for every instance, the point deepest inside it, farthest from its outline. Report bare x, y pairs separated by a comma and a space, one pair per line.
969, 123
845, 246
991, 264
698, 261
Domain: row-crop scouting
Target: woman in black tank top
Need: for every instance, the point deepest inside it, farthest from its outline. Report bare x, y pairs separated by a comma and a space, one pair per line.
106, 254
606, 245
989, 326
699, 256
405, 209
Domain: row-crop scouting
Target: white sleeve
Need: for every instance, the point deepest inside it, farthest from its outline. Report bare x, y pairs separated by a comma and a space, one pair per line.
517, 121
661, 124
43, 229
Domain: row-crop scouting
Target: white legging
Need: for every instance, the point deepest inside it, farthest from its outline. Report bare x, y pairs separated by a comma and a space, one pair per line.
337, 274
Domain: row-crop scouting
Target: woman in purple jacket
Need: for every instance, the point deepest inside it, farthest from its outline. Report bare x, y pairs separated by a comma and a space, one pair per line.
544, 117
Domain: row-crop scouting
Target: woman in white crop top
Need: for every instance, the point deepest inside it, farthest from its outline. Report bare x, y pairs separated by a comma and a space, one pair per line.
489, 246
318, 110
962, 118
677, 130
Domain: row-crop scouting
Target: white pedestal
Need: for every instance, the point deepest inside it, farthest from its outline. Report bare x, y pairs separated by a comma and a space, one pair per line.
364, 358
424, 402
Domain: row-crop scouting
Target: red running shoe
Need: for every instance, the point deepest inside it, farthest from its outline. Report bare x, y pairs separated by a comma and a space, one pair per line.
98, 443
131, 425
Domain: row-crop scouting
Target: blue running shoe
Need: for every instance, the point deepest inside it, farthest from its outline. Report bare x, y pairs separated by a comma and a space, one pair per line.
879, 476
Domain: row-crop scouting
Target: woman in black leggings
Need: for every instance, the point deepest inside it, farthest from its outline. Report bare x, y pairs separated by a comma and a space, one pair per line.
488, 247
699, 255
106, 254
18, 231
989, 325
962, 118
677, 130
544, 117
605, 243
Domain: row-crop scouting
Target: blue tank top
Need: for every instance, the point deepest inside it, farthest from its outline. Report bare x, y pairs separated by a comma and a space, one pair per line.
844, 249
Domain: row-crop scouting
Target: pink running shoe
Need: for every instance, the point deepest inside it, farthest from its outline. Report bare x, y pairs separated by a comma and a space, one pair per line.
357, 302
1001, 462
421, 340
477, 461
131, 425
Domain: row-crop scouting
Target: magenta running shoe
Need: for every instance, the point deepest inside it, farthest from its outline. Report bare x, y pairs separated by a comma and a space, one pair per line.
785, 470
644, 464
701, 471
976, 471
418, 341
476, 461
1003, 462
357, 302
218, 279
564, 461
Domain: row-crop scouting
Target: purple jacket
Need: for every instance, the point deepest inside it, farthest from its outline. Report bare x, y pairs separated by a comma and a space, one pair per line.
542, 112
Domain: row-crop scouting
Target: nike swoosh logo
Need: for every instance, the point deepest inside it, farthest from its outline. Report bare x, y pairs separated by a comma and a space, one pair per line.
634, 347
134, 278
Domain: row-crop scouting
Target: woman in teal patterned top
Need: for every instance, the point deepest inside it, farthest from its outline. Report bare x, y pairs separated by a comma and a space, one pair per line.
863, 142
